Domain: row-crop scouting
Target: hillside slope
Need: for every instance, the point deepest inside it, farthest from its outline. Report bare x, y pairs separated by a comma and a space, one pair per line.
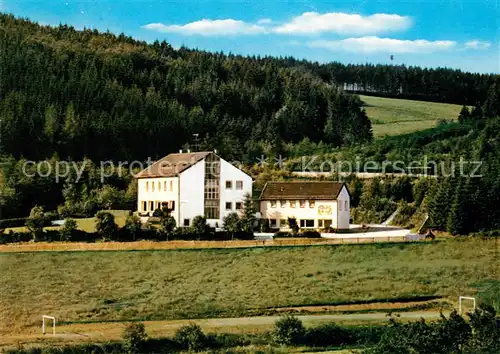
390, 116
85, 93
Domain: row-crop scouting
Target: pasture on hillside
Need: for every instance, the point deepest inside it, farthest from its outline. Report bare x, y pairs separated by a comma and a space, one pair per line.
139, 285
390, 116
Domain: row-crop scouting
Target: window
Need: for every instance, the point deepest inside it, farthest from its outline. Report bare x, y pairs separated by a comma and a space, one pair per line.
239, 205
307, 223
159, 186
283, 223
312, 204
171, 186
239, 185
159, 205
229, 184
165, 186
186, 222
229, 206
302, 203
272, 223
151, 206
147, 186
152, 186
340, 205
212, 201
292, 203
144, 206
273, 203
283, 203
324, 223
346, 206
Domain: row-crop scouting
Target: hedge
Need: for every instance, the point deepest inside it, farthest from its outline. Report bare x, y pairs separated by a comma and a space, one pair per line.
122, 235
16, 222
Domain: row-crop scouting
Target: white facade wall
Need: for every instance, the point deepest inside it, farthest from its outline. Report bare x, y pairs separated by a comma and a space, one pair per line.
229, 172
188, 192
161, 189
322, 210
344, 207
192, 187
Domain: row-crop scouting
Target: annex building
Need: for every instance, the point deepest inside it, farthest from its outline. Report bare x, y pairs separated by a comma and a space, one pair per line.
314, 204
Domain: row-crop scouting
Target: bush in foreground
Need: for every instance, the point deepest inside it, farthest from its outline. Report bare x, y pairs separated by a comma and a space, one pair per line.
191, 337
288, 330
134, 337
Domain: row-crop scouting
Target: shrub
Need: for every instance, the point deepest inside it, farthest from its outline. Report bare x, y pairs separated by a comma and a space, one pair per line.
134, 337
105, 225
288, 330
67, 232
200, 226
133, 226
326, 335
310, 234
168, 225
36, 222
191, 337
232, 224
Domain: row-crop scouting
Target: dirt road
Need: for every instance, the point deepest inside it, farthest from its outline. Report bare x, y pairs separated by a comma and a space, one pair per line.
105, 331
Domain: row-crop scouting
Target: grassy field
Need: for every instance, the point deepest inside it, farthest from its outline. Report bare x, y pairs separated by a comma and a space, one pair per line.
125, 285
391, 116
84, 224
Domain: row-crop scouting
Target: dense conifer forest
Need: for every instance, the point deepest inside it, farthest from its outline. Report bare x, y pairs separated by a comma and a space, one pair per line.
97, 95
85, 93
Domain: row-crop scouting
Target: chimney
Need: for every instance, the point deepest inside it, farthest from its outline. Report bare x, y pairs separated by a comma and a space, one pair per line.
215, 151
189, 151
180, 151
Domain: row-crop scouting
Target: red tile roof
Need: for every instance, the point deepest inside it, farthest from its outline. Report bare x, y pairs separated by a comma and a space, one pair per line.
172, 165
315, 190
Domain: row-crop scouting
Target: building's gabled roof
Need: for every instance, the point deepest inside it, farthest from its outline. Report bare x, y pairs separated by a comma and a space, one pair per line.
172, 165
314, 190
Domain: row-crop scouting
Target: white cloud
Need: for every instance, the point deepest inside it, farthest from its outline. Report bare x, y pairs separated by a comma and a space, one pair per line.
264, 21
343, 23
208, 27
476, 44
374, 44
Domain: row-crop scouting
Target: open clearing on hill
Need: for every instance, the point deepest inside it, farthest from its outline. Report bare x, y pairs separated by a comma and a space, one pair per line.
182, 284
391, 116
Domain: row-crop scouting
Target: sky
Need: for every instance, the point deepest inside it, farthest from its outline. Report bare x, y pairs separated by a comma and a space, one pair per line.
446, 33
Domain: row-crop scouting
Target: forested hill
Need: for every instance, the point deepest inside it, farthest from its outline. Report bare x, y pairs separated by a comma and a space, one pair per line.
102, 96
400, 81
85, 93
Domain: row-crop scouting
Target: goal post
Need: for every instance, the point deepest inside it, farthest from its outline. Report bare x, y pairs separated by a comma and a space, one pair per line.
44, 317
460, 302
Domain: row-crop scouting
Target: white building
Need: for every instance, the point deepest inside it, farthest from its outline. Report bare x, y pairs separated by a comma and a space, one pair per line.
314, 204
192, 184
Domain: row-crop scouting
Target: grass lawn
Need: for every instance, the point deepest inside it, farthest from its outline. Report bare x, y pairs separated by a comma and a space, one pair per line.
85, 224
125, 285
392, 116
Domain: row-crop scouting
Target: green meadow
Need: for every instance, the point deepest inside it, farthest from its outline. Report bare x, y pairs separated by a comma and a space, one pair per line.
139, 285
390, 116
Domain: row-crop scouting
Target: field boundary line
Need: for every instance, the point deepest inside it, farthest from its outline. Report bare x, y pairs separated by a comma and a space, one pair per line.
174, 245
